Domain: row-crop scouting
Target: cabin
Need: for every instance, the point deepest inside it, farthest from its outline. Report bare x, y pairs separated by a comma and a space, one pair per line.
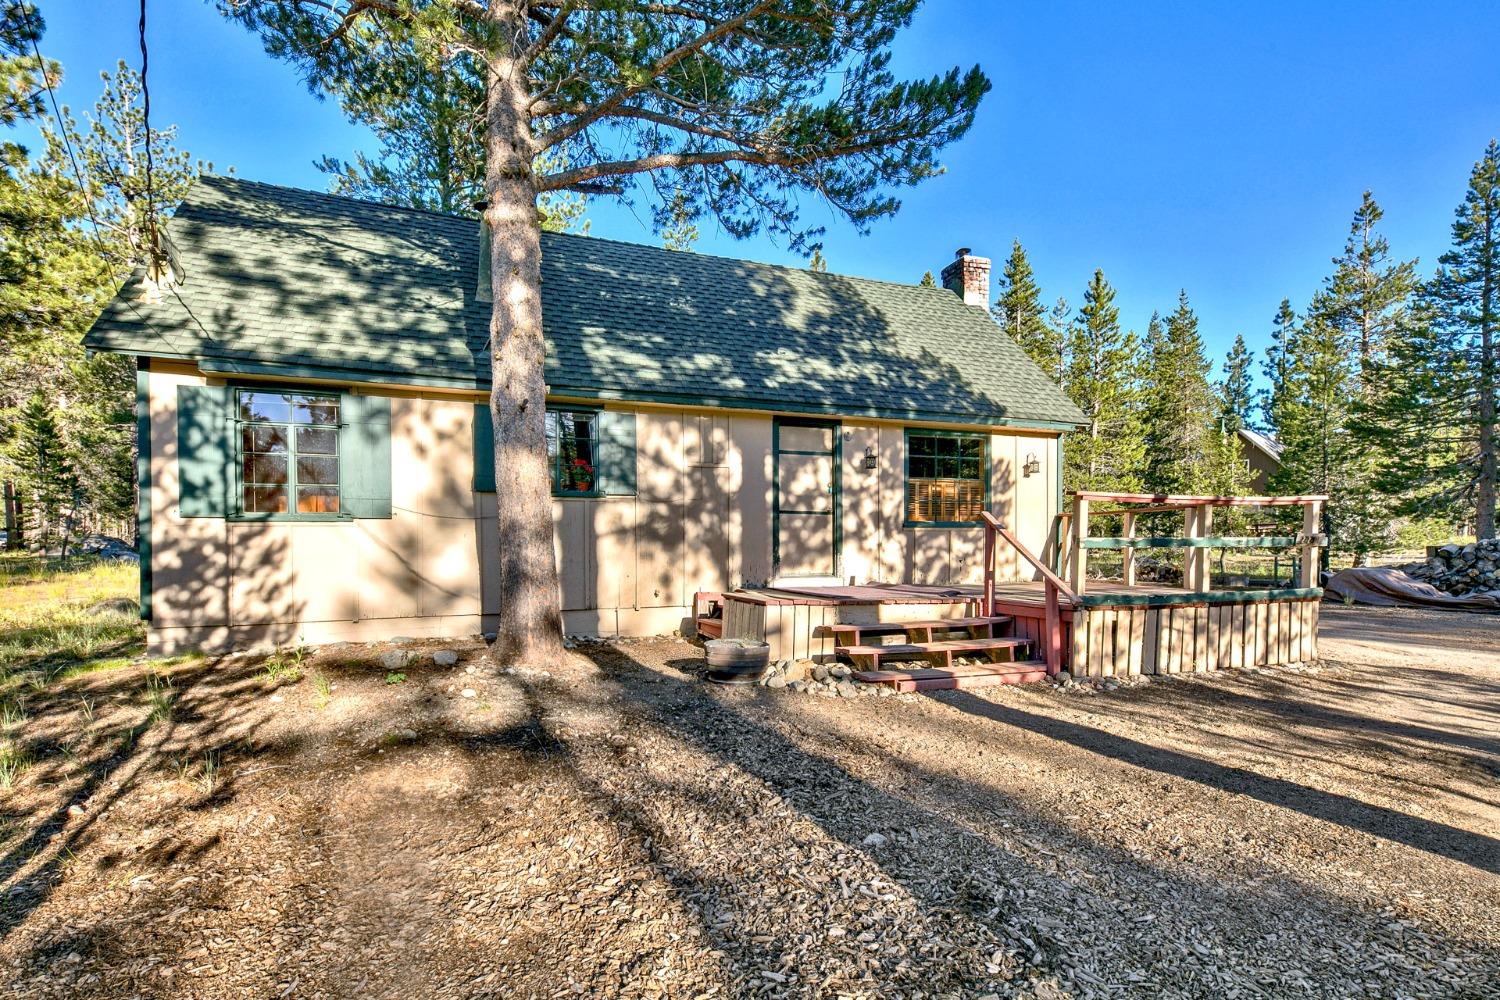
835, 466
316, 461
1262, 457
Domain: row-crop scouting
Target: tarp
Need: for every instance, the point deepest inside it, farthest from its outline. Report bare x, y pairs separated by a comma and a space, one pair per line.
1386, 587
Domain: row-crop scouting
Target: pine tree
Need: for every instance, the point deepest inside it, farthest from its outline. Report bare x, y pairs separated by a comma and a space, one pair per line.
41, 458
679, 231
1108, 454
928, 281
1432, 418
1274, 367
1341, 352
22, 75
728, 101
1236, 392
1367, 291
1181, 409
817, 263
1020, 314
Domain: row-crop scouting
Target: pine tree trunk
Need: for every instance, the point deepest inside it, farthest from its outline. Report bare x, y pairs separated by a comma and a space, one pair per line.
1484, 500
530, 628
12, 532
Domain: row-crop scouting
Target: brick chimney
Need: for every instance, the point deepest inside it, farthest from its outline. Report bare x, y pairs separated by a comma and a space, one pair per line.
969, 277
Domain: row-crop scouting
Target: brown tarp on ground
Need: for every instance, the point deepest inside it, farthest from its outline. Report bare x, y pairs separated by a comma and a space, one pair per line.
1385, 587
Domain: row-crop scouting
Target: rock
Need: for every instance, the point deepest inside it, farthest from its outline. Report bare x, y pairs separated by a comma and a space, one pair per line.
392, 659
847, 689
776, 681
874, 840
445, 658
469, 693
819, 672
278, 699
408, 734
1064, 676
840, 671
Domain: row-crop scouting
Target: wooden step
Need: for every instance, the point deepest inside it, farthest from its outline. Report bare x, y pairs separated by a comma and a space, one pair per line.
851, 634
938, 654
958, 677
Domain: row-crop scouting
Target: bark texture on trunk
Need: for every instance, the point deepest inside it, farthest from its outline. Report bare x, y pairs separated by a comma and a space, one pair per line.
1484, 500
12, 536
530, 629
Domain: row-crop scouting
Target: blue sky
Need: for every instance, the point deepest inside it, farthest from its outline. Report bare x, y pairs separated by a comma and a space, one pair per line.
1214, 147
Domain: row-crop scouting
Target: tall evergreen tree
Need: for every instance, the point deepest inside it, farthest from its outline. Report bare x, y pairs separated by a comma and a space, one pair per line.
1020, 313
729, 101
45, 468
1236, 390
1432, 420
1181, 409
1274, 366
928, 281
1109, 453
817, 262
23, 76
1368, 291
680, 231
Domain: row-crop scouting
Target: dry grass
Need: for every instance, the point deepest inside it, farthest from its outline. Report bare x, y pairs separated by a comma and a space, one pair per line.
45, 625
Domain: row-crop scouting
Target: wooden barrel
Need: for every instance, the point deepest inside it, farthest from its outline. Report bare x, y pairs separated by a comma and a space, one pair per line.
737, 661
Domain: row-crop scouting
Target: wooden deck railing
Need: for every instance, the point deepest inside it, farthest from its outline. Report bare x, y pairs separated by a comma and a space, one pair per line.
1053, 585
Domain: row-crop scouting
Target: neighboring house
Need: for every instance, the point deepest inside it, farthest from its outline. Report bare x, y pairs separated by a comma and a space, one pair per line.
1262, 456
316, 461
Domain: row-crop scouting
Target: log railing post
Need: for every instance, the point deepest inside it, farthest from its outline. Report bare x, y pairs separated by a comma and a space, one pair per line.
1078, 556
1312, 512
1127, 568
989, 570
1053, 638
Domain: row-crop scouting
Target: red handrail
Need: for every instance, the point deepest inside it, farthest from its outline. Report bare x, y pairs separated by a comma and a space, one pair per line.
1053, 586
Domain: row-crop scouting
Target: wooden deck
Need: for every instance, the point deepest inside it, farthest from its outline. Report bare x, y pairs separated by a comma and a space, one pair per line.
1111, 631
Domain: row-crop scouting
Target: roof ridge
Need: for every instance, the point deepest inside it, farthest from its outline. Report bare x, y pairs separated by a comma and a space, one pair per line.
686, 255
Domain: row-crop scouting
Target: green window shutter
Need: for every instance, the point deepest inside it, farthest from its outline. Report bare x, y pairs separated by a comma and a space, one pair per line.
205, 450
365, 455
484, 449
617, 452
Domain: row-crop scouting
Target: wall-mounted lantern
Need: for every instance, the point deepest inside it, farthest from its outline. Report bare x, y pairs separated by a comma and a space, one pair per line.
1032, 466
871, 462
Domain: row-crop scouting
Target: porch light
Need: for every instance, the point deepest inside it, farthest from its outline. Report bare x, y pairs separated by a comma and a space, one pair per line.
871, 462
1032, 466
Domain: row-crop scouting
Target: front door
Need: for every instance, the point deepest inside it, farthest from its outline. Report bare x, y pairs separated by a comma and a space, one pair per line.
807, 497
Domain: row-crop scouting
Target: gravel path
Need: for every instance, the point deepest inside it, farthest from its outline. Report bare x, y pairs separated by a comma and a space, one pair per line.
621, 829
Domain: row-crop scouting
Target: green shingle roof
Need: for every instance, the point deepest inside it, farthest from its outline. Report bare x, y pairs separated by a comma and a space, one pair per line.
280, 280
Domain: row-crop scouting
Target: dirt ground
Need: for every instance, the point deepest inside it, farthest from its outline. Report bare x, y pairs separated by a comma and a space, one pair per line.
337, 827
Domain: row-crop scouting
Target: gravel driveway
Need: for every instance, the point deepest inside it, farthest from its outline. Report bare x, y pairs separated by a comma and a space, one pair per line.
619, 828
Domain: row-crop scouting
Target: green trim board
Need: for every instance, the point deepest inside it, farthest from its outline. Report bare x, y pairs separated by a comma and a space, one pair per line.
565, 394
1199, 597
1207, 542
143, 481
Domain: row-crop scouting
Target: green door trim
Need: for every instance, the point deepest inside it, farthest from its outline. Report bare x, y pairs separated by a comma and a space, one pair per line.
836, 509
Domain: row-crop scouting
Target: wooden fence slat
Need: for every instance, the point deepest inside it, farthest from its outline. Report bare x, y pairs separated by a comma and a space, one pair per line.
1151, 642
1200, 640
1079, 661
1137, 641
1098, 638
1314, 610
1208, 659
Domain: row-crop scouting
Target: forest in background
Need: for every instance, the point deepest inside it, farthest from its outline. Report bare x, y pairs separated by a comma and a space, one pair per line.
1380, 387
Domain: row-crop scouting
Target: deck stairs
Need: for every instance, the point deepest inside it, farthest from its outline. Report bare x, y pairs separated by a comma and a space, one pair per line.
954, 653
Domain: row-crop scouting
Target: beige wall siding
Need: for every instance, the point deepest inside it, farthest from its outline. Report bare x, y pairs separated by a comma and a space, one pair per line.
701, 520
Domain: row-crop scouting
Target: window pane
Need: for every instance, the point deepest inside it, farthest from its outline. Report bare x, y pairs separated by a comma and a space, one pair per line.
970, 468
264, 469
267, 440
317, 471
315, 410
265, 499
947, 445
317, 500
921, 445
922, 468
264, 406
971, 447
317, 441
947, 467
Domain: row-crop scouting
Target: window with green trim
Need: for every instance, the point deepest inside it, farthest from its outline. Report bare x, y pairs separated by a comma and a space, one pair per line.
573, 450
288, 452
945, 477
